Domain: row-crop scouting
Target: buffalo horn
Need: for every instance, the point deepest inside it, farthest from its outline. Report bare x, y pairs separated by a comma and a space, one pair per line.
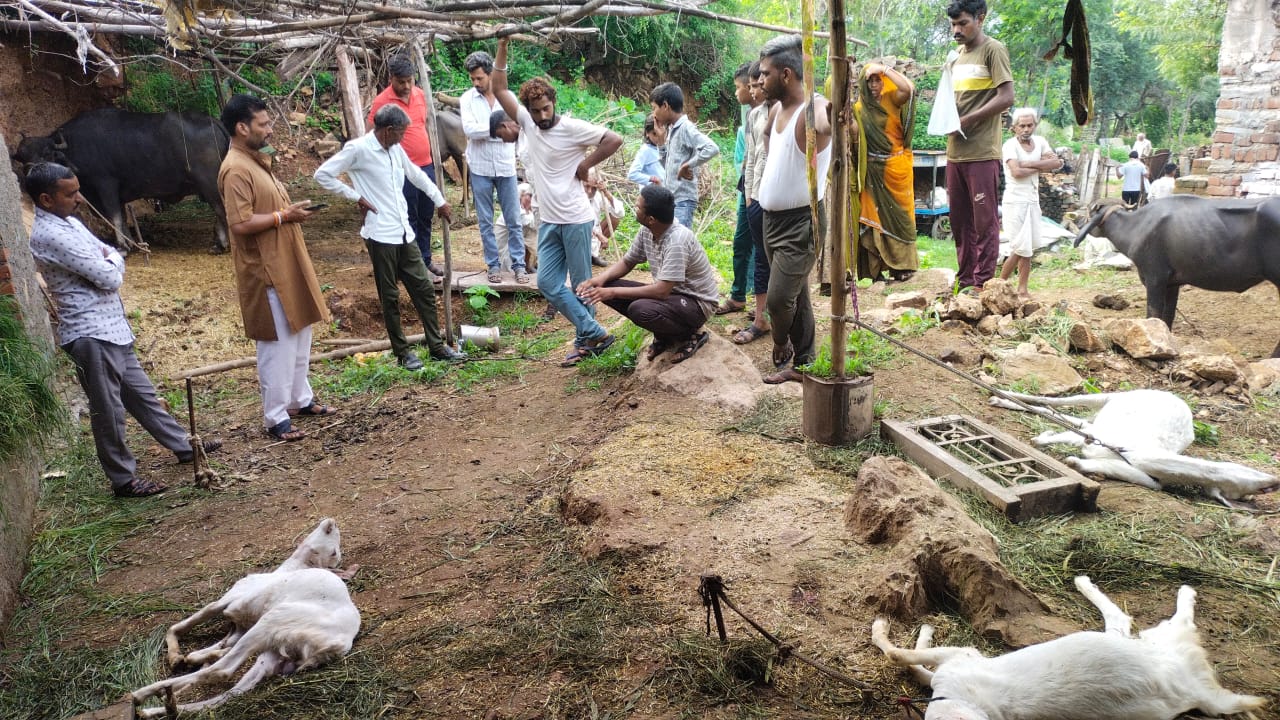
1093, 221
59, 142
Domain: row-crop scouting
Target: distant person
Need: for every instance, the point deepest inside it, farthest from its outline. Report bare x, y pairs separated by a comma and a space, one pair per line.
983, 84
83, 276
884, 113
686, 150
646, 167
378, 168
1142, 146
528, 226
558, 164
491, 165
1133, 175
752, 170
676, 305
1163, 186
789, 235
280, 296
607, 212
403, 92
744, 258
1026, 155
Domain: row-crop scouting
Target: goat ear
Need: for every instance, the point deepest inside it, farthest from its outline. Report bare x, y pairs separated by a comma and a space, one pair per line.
328, 525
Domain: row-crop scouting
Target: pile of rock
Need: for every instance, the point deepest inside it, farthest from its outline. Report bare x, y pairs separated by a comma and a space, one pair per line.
998, 312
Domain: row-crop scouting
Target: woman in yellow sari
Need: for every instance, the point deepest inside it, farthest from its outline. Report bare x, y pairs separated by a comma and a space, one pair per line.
885, 112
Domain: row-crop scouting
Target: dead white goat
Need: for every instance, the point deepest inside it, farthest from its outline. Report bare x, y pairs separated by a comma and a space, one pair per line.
1109, 675
1151, 428
296, 617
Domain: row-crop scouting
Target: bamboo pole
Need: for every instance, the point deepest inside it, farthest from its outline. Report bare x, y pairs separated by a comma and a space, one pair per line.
372, 346
437, 157
838, 227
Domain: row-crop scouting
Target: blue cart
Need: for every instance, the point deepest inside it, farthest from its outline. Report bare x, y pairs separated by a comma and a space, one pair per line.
933, 218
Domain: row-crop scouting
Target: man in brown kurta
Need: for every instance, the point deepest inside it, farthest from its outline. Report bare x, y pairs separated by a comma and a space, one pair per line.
279, 293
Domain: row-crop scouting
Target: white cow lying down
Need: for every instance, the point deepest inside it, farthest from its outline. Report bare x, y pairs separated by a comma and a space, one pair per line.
1109, 675
297, 617
1151, 428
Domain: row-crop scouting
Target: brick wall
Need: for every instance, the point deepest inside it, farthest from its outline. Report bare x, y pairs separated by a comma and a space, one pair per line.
1245, 156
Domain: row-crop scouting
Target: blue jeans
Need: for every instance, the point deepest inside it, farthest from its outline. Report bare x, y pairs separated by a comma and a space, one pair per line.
566, 249
482, 188
684, 212
421, 210
744, 259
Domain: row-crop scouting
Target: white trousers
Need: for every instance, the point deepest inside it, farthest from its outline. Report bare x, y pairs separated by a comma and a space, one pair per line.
282, 367
1022, 227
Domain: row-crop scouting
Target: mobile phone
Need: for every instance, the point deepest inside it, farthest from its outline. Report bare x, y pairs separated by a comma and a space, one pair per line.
315, 207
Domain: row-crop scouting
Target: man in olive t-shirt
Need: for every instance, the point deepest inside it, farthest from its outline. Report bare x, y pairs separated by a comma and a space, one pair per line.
983, 85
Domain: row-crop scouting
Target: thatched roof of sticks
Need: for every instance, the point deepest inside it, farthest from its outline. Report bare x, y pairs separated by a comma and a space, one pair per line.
228, 30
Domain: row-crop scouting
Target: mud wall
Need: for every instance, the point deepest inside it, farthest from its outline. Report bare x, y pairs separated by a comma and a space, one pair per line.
42, 85
20, 476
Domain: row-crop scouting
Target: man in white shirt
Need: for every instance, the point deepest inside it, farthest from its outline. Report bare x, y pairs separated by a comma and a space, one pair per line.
557, 168
84, 276
1163, 185
1142, 146
378, 168
1134, 177
1025, 156
491, 164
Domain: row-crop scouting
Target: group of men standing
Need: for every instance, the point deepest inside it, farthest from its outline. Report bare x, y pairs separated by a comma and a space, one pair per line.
391, 175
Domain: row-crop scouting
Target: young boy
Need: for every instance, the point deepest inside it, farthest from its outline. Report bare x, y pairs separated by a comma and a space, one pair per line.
687, 149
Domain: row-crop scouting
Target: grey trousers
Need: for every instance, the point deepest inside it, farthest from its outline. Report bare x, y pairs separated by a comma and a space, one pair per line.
114, 383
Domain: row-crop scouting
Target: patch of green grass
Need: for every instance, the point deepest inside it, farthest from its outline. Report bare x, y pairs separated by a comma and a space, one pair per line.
31, 410
1055, 328
936, 253
621, 357
521, 317
1130, 550
1206, 433
540, 346
915, 323
46, 675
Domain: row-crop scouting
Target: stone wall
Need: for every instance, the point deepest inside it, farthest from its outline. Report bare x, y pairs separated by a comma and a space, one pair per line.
20, 476
1245, 157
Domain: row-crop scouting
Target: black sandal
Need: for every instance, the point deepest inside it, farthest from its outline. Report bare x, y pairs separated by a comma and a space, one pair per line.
138, 487
690, 347
656, 348
286, 432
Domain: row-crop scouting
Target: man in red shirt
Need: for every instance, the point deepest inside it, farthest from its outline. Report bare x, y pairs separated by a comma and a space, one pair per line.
416, 143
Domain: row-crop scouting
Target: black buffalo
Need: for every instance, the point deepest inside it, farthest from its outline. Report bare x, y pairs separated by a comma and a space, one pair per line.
121, 156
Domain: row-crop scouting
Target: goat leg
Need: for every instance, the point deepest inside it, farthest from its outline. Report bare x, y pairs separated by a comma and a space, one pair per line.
1114, 619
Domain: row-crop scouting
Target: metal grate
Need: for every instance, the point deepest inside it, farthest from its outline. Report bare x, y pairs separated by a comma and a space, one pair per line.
1007, 464
1016, 478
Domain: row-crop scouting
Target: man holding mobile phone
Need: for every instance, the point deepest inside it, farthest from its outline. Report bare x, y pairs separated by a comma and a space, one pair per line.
378, 168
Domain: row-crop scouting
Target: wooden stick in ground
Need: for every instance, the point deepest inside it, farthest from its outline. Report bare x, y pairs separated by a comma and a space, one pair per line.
375, 346
437, 157
191, 421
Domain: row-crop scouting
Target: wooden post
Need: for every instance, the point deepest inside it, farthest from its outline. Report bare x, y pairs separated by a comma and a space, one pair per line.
839, 222
437, 158
349, 91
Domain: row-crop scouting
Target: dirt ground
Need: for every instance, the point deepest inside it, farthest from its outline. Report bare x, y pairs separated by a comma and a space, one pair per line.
531, 546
